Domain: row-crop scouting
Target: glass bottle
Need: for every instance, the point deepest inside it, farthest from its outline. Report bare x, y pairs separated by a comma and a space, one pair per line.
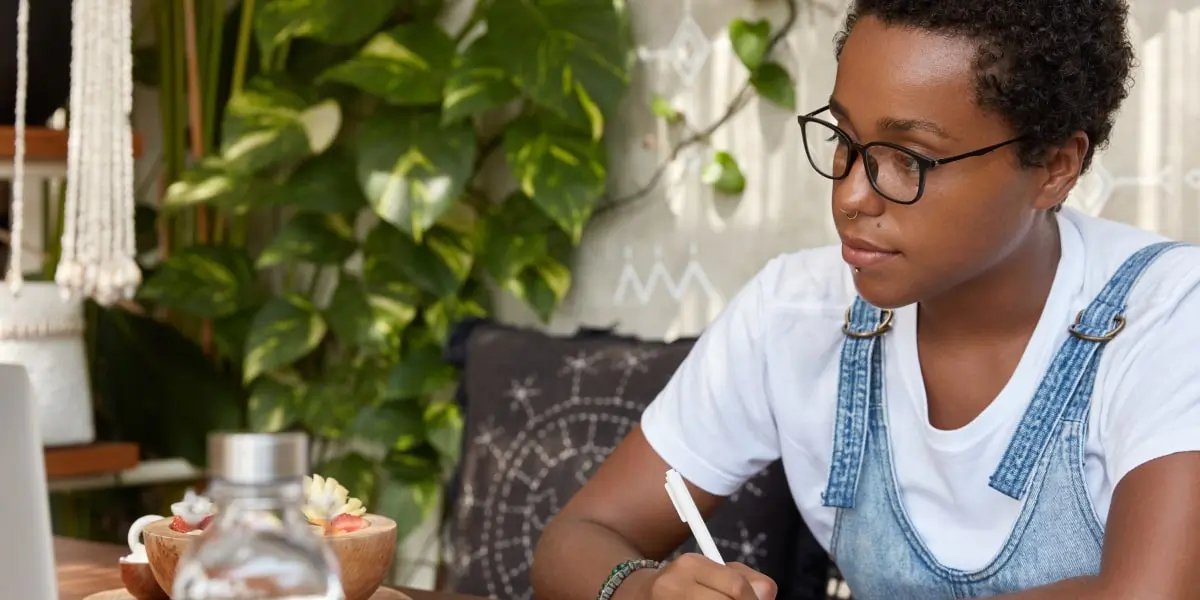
259, 545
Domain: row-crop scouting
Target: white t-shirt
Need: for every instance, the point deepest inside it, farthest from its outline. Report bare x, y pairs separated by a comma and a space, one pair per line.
762, 384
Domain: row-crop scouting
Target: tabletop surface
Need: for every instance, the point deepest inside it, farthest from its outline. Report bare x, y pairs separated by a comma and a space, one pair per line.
85, 568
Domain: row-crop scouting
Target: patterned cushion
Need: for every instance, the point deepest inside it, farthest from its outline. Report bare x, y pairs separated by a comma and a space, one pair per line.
542, 413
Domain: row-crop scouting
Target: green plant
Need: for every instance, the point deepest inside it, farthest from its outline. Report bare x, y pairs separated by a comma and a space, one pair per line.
365, 126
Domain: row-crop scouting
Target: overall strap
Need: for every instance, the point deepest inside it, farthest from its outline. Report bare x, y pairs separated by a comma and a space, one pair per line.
1071, 374
858, 385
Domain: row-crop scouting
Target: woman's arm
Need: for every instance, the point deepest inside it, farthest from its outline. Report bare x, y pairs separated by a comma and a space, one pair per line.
624, 513
713, 423
1152, 539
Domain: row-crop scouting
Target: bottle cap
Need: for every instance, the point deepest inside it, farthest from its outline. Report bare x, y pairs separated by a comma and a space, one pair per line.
257, 458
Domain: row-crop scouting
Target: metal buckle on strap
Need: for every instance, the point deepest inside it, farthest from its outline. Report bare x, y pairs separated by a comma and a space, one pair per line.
1117, 326
884, 325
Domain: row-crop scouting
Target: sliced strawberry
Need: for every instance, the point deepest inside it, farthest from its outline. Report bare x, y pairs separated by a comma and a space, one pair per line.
179, 525
346, 524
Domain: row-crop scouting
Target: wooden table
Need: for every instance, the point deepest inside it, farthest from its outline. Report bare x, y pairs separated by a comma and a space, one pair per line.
85, 568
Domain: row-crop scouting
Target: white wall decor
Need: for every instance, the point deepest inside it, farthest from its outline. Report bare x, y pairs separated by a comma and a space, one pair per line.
633, 287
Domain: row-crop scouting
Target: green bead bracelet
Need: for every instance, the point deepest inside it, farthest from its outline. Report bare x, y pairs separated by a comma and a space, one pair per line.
620, 572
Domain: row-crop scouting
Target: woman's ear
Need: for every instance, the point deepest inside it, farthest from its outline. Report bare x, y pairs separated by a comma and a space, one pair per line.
1063, 166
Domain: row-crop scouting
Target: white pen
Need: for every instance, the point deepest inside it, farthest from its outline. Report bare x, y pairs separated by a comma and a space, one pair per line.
686, 507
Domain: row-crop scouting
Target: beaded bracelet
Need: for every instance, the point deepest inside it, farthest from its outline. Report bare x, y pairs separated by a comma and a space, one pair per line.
620, 572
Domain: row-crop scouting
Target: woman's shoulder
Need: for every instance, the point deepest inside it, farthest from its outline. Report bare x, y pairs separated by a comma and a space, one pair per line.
810, 279
1173, 276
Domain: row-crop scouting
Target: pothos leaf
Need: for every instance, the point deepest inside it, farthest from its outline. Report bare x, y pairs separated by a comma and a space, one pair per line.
439, 266
269, 123
724, 174
317, 238
749, 40
370, 320
568, 56
286, 329
335, 22
475, 85
413, 169
406, 66
209, 282
542, 286
773, 82
274, 404
564, 174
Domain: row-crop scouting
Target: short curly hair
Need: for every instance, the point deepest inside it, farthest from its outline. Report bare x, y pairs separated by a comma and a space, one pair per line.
1049, 67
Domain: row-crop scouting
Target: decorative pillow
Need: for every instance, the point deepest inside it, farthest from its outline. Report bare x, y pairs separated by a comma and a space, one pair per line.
542, 413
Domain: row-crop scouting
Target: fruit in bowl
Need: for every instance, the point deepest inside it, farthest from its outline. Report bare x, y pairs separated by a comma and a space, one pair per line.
329, 508
192, 514
363, 543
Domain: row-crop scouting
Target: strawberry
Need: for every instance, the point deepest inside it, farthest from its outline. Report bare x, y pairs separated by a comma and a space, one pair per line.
346, 524
181, 526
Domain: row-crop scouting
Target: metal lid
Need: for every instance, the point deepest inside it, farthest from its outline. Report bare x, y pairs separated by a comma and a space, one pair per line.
257, 458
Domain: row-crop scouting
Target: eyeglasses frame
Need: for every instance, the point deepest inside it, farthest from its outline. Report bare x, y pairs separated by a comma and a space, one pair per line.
925, 162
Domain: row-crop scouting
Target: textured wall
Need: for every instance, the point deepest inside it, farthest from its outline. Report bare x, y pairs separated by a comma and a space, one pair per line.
665, 265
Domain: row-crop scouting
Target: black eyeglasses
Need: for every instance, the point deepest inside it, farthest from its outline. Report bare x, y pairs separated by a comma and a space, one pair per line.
895, 172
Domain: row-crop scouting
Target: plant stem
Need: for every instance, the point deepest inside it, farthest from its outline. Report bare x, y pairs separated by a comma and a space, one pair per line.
184, 228
162, 34
237, 232
212, 75
195, 105
54, 240
245, 29
211, 88
47, 257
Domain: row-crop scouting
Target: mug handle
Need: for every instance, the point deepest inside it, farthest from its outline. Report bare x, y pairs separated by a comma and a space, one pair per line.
134, 539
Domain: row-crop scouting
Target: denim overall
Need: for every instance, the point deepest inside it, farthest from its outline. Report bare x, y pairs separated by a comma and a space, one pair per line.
1057, 535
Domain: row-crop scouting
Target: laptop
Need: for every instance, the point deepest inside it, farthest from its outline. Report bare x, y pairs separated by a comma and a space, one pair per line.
26, 542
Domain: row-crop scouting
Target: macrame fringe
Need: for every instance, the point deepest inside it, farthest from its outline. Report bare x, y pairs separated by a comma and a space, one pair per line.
98, 258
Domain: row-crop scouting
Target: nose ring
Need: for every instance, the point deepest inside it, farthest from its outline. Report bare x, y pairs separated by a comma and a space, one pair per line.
850, 216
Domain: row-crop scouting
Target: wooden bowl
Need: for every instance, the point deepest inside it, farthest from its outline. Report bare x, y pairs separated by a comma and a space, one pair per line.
139, 581
365, 556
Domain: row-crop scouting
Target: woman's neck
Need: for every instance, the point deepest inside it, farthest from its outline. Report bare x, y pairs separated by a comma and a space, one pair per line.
1007, 298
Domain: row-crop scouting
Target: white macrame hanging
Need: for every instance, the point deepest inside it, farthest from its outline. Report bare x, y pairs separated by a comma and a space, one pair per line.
17, 214
98, 243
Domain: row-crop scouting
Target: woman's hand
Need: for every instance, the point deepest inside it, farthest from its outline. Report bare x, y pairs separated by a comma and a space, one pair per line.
694, 577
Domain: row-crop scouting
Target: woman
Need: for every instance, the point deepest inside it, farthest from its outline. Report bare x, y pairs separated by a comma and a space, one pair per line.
982, 436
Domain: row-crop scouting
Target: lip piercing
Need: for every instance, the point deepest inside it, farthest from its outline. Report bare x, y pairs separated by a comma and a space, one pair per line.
849, 216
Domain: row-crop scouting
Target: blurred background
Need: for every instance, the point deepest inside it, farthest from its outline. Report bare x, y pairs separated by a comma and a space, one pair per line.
327, 191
